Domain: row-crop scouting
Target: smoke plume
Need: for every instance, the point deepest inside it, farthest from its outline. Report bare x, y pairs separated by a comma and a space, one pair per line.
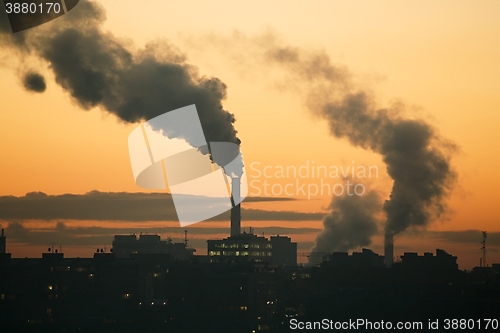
97, 70
411, 150
350, 224
416, 156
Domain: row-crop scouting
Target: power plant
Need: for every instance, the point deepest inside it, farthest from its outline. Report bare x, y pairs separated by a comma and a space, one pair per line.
248, 247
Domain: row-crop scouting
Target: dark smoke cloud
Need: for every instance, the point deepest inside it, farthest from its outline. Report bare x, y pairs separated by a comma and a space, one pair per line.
34, 82
351, 224
97, 70
411, 149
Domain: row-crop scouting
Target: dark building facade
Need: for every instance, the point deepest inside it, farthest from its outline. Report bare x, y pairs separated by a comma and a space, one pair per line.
284, 251
126, 245
442, 260
153, 292
365, 258
144, 292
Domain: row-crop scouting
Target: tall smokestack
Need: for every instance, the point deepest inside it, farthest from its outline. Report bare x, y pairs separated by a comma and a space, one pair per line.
2, 242
236, 210
389, 249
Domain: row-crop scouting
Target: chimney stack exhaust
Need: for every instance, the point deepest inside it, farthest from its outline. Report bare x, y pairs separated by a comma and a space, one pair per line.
236, 210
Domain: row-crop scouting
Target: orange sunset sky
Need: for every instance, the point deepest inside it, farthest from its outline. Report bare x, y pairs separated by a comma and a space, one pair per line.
441, 59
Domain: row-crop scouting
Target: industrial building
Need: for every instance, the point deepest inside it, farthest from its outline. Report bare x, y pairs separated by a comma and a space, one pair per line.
238, 247
279, 250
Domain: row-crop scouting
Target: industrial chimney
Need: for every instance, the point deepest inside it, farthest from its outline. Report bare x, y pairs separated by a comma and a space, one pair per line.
388, 249
2, 242
236, 210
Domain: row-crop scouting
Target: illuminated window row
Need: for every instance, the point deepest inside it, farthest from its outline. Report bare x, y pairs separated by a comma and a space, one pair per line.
240, 253
245, 246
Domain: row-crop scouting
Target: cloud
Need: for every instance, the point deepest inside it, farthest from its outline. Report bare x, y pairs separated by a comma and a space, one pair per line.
64, 235
459, 236
121, 206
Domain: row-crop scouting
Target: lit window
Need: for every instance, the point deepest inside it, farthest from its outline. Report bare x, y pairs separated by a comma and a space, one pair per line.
49, 287
243, 308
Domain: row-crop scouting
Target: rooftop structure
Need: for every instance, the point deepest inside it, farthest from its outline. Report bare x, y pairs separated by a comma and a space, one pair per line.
126, 245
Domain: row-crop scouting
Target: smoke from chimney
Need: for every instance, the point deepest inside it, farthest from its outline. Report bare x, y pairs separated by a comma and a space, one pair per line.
350, 224
97, 70
416, 156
